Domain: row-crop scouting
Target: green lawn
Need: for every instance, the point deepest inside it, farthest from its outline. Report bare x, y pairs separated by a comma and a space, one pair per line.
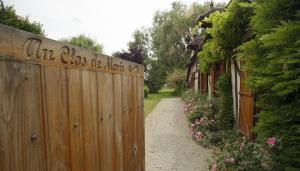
153, 99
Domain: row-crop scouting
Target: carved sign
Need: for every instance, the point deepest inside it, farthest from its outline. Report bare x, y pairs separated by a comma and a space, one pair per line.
23, 46
69, 56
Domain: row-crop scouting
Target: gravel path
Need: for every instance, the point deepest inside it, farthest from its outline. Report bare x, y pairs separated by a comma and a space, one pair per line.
168, 145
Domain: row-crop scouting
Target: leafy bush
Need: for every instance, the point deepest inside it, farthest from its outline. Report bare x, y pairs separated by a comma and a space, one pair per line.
237, 153
233, 151
155, 79
146, 91
9, 17
177, 80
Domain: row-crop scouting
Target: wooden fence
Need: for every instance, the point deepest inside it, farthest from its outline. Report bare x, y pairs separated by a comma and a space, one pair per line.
66, 108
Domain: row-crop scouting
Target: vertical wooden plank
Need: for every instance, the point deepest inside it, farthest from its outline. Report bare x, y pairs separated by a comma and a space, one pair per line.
118, 118
106, 121
125, 122
75, 120
140, 126
136, 124
128, 118
141, 129
21, 131
55, 99
90, 120
32, 117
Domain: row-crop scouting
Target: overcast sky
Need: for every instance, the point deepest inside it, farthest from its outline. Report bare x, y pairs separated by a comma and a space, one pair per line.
110, 22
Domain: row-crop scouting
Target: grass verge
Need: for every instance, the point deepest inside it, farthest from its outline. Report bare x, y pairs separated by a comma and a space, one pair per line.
153, 99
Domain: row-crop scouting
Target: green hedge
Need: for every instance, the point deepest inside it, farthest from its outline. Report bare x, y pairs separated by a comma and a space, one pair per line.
146, 91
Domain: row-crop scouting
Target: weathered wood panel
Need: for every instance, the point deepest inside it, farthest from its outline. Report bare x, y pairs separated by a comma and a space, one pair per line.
56, 116
135, 124
21, 126
75, 102
107, 151
67, 108
118, 118
141, 130
90, 120
128, 118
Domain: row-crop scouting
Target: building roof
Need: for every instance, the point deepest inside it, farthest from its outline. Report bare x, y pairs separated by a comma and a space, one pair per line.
210, 11
196, 43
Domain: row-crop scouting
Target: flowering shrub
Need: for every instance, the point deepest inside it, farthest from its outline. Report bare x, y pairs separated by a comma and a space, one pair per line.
201, 116
245, 155
233, 152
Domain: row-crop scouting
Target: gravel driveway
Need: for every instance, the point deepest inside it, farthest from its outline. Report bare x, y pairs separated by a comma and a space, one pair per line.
168, 145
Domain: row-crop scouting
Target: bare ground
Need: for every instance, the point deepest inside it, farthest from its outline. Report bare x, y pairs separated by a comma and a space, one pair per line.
168, 145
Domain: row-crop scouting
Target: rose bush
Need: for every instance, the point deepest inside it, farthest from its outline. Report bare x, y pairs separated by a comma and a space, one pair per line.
232, 150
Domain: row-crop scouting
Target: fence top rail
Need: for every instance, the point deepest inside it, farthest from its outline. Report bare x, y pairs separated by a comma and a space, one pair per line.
19, 45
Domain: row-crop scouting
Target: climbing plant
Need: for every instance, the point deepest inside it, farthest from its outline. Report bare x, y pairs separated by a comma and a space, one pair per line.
227, 33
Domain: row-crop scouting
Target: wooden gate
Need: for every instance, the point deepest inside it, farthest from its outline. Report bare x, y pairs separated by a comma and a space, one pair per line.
66, 108
246, 107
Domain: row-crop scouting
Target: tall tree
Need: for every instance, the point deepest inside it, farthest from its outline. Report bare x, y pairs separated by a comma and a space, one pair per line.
9, 17
138, 48
85, 41
140, 44
168, 41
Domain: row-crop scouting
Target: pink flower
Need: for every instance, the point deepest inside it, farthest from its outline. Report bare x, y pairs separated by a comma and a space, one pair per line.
198, 135
271, 141
214, 167
230, 160
199, 121
193, 125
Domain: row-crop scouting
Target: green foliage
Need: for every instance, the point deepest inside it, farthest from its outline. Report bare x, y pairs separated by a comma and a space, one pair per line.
140, 44
208, 56
140, 41
168, 46
9, 17
273, 62
169, 32
225, 117
233, 151
239, 154
177, 80
85, 41
146, 91
227, 33
269, 14
155, 79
